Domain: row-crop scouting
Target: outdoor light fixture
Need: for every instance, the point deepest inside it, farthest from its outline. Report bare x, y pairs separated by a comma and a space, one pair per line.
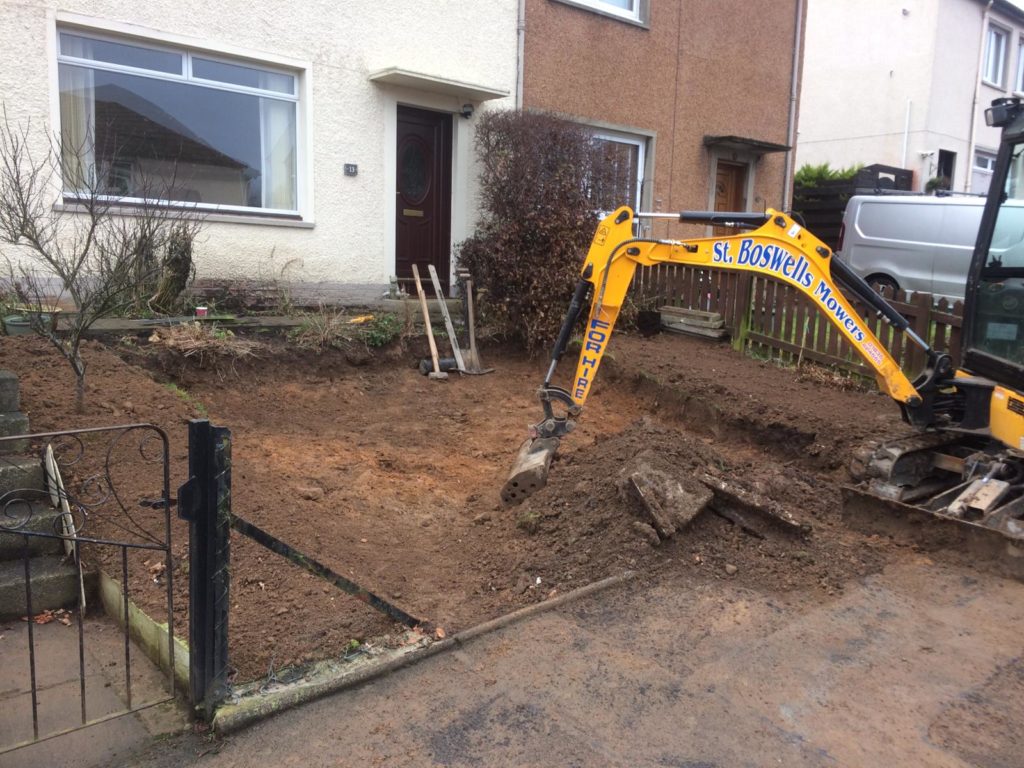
466, 111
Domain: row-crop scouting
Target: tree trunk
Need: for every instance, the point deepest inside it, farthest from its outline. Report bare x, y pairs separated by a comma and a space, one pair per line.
79, 366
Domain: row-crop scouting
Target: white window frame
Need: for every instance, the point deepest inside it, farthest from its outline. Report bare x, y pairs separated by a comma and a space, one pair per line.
640, 142
129, 35
989, 157
996, 58
637, 16
1019, 84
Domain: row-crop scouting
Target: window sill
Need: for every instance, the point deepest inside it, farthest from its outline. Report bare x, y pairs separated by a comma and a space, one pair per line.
997, 86
210, 216
643, 22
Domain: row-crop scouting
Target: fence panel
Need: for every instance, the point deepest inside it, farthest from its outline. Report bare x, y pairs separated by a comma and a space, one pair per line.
774, 319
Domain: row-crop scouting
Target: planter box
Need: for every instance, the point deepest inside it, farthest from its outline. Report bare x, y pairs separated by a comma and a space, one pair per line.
21, 325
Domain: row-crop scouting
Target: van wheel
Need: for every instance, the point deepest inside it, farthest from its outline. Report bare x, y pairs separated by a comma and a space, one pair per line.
878, 282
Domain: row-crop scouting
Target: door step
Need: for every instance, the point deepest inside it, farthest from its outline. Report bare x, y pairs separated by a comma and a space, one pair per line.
18, 519
54, 585
20, 474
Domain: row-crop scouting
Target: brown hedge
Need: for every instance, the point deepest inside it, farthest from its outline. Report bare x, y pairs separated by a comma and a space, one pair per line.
536, 220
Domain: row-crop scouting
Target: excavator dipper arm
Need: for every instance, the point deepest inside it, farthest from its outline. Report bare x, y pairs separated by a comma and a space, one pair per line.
770, 244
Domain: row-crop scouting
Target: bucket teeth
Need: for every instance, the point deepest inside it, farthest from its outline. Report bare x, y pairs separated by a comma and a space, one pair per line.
530, 470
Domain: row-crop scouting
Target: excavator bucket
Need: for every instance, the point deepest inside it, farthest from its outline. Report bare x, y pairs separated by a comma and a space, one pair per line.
1000, 548
530, 469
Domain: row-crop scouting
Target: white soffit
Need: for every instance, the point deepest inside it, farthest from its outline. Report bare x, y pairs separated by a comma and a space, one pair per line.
435, 84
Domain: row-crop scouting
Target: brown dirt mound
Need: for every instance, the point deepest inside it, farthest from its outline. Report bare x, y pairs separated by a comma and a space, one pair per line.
583, 517
392, 479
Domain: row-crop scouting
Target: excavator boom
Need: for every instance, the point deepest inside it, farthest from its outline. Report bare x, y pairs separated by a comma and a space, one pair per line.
770, 244
964, 466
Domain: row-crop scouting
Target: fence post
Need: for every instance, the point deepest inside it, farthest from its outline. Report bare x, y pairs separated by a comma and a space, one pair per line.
205, 502
922, 327
741, 310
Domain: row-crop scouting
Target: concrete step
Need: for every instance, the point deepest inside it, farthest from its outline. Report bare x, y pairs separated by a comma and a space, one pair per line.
9, 397
18, 473
13, 423
54, 585
41, 519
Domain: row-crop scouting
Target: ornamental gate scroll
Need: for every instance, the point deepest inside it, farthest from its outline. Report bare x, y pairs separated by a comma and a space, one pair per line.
74, 504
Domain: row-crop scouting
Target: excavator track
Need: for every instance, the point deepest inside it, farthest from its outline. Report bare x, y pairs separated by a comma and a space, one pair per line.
931, 490
899, 462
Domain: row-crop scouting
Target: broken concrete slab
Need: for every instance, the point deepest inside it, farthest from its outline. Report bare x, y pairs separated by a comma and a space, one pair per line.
670, 499
733, 493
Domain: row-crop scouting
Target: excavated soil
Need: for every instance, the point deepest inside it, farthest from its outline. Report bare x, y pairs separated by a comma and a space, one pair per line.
392, 479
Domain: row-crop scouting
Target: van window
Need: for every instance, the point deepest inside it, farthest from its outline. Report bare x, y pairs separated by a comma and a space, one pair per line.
1007, 247
912, 223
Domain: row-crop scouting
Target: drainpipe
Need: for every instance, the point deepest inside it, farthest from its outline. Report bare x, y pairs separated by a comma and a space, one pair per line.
906, 134
793, 84
520, 51
972, 138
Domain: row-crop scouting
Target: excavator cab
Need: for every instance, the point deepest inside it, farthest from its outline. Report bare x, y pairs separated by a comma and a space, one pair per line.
993, 338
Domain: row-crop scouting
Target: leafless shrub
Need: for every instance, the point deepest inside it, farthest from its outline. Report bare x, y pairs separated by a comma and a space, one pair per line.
87, 250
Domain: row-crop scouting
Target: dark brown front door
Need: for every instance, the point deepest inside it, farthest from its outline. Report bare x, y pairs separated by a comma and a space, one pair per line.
423, 202
730, 183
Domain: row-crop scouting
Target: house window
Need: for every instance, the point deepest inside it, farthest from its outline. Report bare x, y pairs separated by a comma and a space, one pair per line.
631, 10
1019, 86
141, 121
620, 181
981, 173
995, 55
984, 161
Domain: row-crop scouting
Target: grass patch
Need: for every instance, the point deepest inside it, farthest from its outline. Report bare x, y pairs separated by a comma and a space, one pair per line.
331, 329
188, 398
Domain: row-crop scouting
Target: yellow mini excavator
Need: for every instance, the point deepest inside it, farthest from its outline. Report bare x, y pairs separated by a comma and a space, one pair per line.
965, 461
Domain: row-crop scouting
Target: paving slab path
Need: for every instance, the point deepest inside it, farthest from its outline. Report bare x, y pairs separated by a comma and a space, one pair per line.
918, 665
59, 696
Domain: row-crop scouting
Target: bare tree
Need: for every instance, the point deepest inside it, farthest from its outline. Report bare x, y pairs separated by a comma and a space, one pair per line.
95, 252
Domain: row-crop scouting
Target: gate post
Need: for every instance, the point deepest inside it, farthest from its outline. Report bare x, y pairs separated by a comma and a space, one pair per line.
205, 502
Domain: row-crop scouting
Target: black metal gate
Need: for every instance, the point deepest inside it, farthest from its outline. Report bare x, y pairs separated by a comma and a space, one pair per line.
77, 504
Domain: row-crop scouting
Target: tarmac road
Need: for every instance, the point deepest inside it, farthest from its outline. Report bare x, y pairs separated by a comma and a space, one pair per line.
919, 665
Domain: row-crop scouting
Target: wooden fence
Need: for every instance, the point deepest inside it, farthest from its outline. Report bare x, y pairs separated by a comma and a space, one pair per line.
772, 319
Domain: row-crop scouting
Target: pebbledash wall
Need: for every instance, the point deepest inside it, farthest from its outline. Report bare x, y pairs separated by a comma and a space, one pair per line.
355, 62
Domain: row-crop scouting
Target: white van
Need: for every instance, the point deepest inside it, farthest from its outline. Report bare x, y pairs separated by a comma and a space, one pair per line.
911, 243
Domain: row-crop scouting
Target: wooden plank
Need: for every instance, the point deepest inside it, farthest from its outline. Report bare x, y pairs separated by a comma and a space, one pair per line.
669, 319
771, 306
805, 326
790, 329
754, 323
762, 311
717, 299
694, 314
941, 332
744, 301
456, 352
691, 330
426, 321
690, 286
727, 308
